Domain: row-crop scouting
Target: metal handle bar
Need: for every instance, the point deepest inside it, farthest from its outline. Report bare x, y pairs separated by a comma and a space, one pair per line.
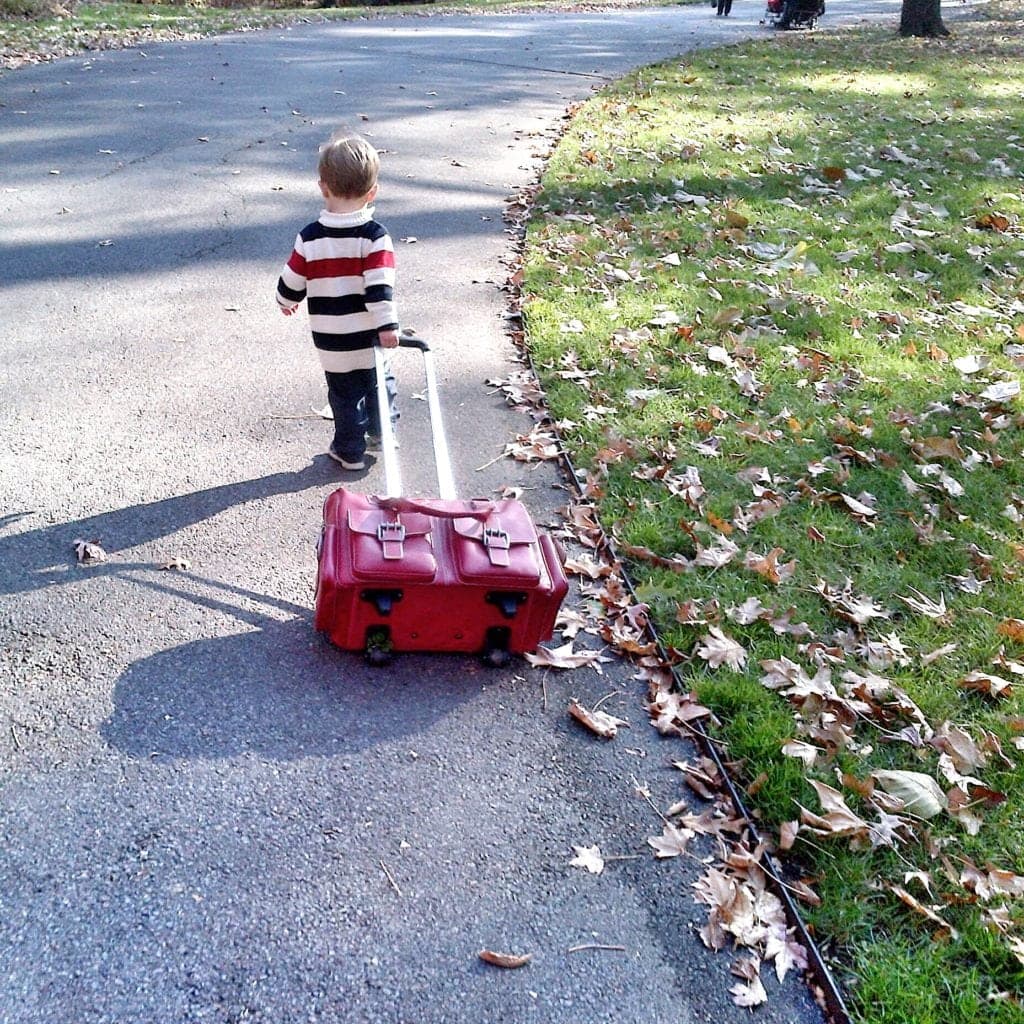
442, 459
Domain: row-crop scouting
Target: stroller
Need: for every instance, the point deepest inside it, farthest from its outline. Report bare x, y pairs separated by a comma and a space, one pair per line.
785, 14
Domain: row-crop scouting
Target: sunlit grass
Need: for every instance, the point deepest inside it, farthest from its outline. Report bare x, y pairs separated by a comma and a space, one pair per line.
842, 189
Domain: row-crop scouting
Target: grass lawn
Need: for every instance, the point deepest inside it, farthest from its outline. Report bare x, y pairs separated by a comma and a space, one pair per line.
774, 296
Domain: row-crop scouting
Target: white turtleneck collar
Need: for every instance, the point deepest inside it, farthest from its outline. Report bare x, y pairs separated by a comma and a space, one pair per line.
346, 220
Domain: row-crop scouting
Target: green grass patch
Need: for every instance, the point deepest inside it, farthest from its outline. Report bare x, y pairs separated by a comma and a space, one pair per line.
774, 296
34, 30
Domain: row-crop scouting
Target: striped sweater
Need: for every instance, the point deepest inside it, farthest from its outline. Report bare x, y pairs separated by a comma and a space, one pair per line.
343, 265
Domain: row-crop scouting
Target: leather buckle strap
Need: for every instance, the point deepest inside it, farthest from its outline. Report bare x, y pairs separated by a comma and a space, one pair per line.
496, 540
391, 536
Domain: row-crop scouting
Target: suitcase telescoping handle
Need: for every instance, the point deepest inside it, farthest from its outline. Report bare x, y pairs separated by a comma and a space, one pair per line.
392, 474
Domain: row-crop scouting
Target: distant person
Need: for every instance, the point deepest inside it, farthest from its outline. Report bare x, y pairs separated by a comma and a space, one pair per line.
343, 265
724, 7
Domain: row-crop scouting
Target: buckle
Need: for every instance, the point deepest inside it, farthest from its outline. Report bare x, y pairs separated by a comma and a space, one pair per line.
391, 536
496, 540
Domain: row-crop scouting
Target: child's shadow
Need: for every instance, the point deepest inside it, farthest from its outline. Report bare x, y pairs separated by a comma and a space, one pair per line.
280, 691
43, 557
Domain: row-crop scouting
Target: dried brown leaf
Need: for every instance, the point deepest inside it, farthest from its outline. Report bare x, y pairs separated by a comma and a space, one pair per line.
1012, 628
178, 563
509, 960
672, 842
838, 821
768, 566
917, 906
717, 649
588, 857
988, 684
787, 834
565, 657
929, 448
89, 552
599, 722
751, 993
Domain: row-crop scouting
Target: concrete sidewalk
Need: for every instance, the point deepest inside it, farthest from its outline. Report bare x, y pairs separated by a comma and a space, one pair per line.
209, 814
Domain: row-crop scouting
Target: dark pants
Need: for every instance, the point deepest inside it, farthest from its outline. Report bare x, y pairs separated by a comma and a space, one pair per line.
353, 400
724, 6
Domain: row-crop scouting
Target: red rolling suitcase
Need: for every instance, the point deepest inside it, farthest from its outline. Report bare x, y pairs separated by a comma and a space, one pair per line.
407, 574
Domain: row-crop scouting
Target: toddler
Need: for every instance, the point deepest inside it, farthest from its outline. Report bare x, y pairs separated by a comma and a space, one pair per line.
343, 265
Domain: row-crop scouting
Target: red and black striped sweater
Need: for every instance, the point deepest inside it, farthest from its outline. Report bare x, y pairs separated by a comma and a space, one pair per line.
343, 265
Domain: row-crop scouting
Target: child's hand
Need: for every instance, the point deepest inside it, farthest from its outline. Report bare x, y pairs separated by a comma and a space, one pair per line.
288, 310
388, 339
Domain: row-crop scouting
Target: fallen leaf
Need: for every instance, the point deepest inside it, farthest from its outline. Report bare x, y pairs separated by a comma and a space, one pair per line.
717, 649
806, 752
858, 608
926, 606
971, 364
988, 684
768, 566
861, 512
565, 657
920, 794
510, 960
720, 554
750, 992
181, 564
672, 842
838, 821
788, 831
89, 552
584, 565
588, 857
939, 652
785, 952
599, 722
991, 882
1013, 628
960, 746
920, 908
717, 354
1001, 392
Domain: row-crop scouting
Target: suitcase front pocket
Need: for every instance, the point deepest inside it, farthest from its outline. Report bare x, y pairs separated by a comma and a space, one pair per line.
389, 547
500, 551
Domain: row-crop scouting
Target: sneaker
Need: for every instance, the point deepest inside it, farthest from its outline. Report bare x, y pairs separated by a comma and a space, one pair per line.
345, 464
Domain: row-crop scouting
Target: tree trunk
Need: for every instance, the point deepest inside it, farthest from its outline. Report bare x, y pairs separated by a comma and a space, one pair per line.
922, 18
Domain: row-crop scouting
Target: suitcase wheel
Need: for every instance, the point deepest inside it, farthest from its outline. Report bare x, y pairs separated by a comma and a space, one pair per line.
378, 646
497, 657
496, 653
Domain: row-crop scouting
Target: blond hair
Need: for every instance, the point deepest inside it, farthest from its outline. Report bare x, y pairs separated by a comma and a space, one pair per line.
348, 165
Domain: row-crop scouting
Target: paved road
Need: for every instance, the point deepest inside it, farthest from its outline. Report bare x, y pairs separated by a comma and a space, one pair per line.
200, 797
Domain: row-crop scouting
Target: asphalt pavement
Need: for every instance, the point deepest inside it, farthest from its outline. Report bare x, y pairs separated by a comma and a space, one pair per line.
208, 813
